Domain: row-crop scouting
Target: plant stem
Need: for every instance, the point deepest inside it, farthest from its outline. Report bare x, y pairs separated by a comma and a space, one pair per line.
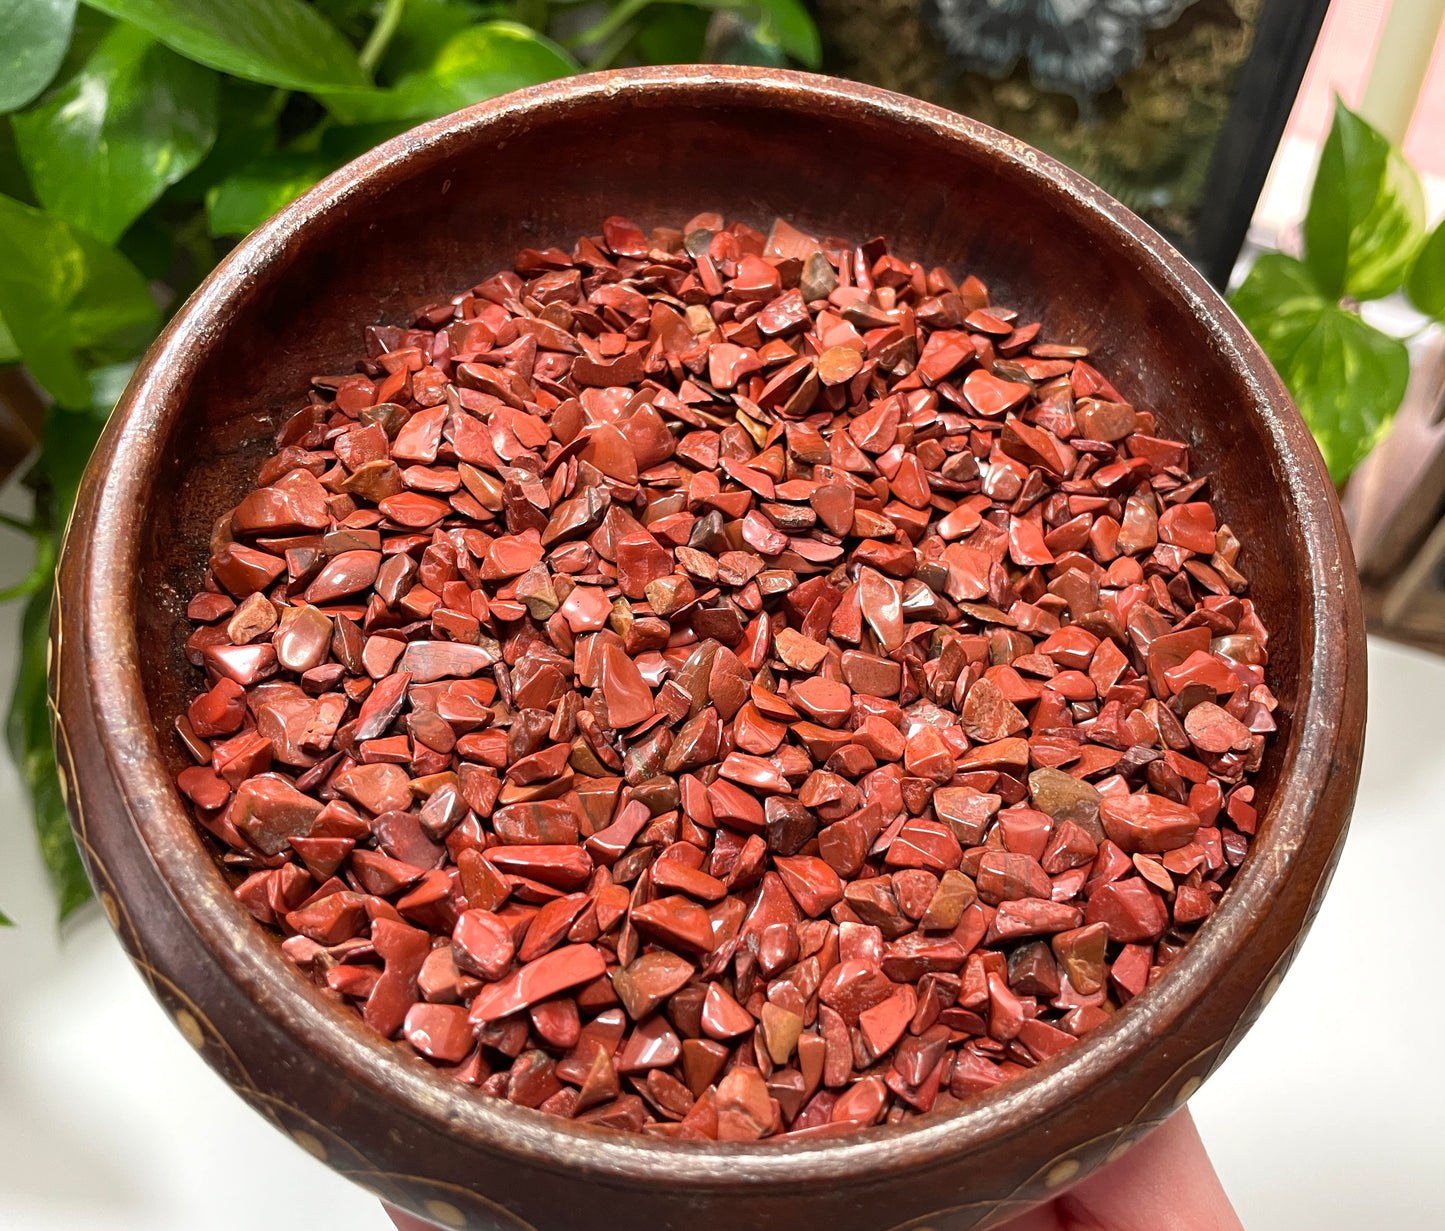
607, 51
609, 25
381, 34
25, 527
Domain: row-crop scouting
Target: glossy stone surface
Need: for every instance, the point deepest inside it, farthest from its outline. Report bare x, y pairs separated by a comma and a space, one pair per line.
1148, 823
813, 732
546, 976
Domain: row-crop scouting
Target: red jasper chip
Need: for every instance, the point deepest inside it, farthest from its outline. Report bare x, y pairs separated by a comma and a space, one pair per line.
727, 686
1148, 823
439, 1031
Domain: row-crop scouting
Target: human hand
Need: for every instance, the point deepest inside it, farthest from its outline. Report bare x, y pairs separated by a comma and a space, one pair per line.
1165, 1183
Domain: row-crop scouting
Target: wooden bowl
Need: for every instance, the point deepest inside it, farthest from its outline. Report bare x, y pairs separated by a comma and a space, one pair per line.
450, 202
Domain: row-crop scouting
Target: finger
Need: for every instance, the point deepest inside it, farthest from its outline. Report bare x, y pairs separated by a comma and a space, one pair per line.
1165, 1183
405, 1221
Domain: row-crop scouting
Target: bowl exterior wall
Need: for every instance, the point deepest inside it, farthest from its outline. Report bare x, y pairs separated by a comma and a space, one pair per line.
439, 209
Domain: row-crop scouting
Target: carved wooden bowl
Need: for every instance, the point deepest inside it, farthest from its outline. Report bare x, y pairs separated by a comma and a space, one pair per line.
451, 201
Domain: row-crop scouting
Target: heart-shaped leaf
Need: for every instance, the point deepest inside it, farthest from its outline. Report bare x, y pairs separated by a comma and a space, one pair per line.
1366, 215
1426, 283
480, 62
277, 42
424, 28
104, 145
1347, 378
245, 199
27, 732
37, 33
64, 295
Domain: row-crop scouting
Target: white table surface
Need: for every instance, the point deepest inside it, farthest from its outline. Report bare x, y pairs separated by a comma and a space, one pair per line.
1325, 1118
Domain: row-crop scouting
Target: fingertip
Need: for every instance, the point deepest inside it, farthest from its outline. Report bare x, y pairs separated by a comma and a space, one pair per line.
405, 1221
1165, 1182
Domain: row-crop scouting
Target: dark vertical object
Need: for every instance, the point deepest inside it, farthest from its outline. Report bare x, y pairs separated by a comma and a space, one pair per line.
22, 418
1268, 83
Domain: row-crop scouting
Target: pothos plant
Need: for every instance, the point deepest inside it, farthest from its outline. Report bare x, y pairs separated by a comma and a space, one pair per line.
140, 138
1365, 237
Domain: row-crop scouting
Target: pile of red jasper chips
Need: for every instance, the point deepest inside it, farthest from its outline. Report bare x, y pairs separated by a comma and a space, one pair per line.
727, 686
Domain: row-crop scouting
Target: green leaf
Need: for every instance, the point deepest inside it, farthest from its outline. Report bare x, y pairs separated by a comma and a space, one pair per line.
732, 38
68, 440
9, 351
28, 734
1426, 284
245, 199
277, 42
5, 920
63, 294
150, 245
480, 62
494, 58
1366, 215
791, 26
107, 384
1278, 301
104, 146
672, 34
37, 33
1346, 377
424, 29
13, 180
246, 115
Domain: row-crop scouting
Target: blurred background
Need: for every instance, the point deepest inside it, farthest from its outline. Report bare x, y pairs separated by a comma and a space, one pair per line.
1293, 149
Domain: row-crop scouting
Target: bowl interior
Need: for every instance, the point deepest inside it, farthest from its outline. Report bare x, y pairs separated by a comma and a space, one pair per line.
405, 227
407, 236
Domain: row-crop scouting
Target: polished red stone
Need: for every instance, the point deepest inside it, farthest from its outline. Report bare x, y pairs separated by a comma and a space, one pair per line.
745, 1110
881, 602
648, 982
723, 1017
628, 698
814, 885
555, 972
727, 686
991, 396
482, 944
1148, 823
349, 573
1213, 729
824, 701
675, 921
1189, 525
1130, 909
440, 1032
988, 716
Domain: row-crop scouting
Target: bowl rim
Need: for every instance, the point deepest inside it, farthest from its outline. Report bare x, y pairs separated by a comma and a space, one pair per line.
145, 418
